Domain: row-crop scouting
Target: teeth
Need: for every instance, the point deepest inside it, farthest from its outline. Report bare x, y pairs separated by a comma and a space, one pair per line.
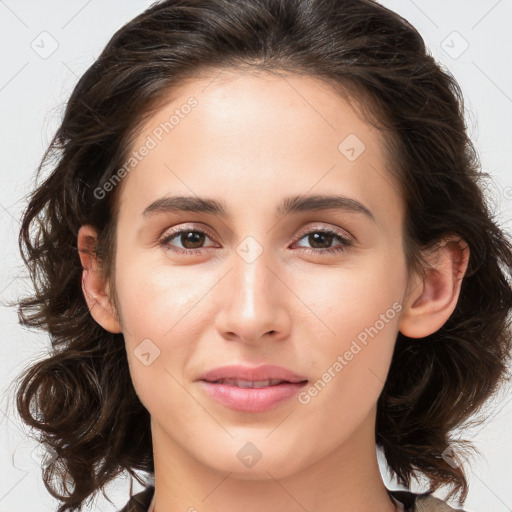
250, 384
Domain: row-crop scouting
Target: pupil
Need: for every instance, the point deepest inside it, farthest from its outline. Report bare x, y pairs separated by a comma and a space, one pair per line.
192, 237
315, 238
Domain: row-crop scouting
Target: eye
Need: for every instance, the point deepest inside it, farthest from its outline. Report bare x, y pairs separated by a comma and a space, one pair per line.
321, 240
190, 239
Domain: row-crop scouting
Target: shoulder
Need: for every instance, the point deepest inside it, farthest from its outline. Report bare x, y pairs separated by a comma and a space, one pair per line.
424, 502
139, 502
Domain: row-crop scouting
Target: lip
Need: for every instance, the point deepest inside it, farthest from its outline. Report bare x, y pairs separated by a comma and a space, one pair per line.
252, 373
251, 399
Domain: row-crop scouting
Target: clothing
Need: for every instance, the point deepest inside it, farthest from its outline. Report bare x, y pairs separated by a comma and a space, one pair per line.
412, 502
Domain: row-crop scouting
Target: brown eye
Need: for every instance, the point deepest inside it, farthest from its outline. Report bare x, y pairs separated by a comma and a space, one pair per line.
191, 240
321, 241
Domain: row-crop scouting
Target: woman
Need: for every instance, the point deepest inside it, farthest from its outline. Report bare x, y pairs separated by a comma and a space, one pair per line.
197, 336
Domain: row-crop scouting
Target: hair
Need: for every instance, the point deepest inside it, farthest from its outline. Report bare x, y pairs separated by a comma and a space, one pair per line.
81, 399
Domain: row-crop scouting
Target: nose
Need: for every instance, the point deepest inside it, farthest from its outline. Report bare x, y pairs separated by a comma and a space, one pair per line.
255, 302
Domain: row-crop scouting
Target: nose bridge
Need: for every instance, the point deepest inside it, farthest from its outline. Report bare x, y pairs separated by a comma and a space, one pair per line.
251, 283
253, 305
251, 278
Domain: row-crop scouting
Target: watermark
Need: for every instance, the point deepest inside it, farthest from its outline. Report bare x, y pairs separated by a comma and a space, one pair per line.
249, 454
351, 147
150, 143
452, 457
454, 44
146, 352
249, 249
498, 194
44, 44
44, 454
304, 397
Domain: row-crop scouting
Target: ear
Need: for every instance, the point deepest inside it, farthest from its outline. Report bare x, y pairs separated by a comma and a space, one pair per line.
94, 286
434, 296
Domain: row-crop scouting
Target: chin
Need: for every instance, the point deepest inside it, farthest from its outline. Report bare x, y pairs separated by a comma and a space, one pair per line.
249, 460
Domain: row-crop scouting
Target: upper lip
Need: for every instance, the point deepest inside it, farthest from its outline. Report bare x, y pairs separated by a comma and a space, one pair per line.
252, 373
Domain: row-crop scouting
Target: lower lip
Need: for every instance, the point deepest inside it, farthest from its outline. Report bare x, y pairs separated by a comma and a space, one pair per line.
252, 399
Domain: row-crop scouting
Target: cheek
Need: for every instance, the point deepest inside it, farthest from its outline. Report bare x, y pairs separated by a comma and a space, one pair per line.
162, 312
156, 320
154, 300
349, 299
359, 310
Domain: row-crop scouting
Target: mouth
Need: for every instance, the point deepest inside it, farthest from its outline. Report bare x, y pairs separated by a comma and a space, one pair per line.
251, 396
251, 388
249, 384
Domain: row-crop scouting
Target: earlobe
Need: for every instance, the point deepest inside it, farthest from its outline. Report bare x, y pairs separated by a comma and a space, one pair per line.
94, 286
435, 295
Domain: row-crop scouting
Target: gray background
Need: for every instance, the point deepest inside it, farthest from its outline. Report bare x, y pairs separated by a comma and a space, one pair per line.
46, 46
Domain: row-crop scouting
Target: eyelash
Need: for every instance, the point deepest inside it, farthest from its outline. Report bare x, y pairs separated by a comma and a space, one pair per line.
345, 242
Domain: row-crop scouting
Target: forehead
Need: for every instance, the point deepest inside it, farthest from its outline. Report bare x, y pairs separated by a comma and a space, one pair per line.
235, 133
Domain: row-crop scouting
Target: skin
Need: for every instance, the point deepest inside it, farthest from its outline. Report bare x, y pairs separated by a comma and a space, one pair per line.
251, 141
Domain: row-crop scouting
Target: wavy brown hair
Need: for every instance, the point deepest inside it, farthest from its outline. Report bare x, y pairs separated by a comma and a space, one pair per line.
80, 399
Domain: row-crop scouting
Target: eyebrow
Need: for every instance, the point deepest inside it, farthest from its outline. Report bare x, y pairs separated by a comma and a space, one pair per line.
289, 205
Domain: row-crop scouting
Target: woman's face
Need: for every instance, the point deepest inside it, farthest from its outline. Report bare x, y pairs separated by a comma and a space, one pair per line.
262, 283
